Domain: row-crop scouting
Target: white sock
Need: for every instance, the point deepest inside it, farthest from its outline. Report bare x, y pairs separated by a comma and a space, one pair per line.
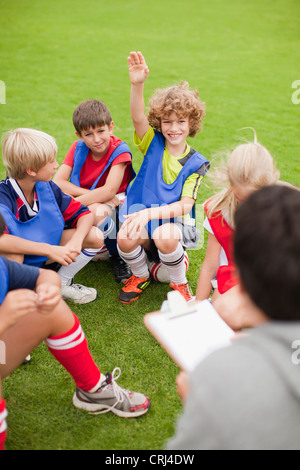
136, 260
175, 265
101, 380
67, 273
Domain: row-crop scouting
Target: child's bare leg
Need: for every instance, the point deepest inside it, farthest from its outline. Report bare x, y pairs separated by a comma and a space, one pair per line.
94, 238
166, 238
100, 212
23, 337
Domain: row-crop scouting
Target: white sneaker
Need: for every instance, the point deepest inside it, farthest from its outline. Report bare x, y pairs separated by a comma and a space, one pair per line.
111, 397
79, 294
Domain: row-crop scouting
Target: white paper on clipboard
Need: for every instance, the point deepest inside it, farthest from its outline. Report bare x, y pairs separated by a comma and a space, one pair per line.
189, 333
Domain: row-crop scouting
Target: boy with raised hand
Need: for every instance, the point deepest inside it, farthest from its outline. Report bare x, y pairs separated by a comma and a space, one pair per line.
165, 190
96, 172
43, 223
31, 309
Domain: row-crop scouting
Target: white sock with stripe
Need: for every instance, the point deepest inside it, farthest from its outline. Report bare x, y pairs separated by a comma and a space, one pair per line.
175, 265
67, 273
136, 260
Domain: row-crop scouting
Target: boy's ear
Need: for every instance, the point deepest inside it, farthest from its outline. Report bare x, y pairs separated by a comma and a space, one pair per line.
31, 172
111, 126
78, 135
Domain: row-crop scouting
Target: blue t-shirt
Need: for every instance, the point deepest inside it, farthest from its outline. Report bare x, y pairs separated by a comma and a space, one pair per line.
20, 276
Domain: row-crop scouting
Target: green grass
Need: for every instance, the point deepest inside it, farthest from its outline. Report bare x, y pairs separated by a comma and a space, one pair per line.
243, 58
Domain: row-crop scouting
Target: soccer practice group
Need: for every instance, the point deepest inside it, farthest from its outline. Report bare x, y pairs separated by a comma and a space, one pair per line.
96, 204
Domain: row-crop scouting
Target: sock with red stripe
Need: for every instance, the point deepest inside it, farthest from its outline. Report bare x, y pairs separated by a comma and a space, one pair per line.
3, 426
175, 265
71, 350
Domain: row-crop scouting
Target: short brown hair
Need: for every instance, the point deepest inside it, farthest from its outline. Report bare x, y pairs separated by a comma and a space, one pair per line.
91, 113
181, 100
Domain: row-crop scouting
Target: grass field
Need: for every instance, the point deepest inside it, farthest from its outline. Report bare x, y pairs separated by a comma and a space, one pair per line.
243, 58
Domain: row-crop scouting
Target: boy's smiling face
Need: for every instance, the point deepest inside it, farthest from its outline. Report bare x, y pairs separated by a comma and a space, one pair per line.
175, 129
97, 139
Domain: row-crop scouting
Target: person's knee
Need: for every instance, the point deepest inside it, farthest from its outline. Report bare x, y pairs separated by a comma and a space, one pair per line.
165, 238
95, 239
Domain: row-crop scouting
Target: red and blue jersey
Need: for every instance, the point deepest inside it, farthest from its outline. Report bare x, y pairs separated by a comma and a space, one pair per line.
13, 199
44, 222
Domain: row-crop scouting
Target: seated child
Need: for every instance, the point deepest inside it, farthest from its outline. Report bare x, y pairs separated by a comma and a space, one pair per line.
43, 223
249, 168
96, 172
166, 187
246, 396
31, 309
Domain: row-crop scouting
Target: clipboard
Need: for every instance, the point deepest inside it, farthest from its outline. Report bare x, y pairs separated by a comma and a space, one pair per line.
188, 333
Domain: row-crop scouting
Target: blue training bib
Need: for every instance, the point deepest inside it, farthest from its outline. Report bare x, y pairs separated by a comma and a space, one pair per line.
4, 280
45, 227
149, 188
80, 155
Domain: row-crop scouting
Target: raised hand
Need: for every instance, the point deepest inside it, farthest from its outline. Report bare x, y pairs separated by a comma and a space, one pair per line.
138, 69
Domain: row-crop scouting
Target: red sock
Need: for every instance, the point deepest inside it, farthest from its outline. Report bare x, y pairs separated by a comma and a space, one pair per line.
71, 350
3, 414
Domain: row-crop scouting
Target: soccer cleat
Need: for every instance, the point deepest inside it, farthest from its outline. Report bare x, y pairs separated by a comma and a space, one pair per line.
184, 290
79, 294
111, 397
120, 269
132, 289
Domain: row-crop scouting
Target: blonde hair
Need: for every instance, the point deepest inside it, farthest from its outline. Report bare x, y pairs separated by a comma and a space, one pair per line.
181, 100
24, 149
249, 164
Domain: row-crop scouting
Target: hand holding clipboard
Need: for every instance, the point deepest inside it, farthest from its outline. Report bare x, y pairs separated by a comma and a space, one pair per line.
188, 332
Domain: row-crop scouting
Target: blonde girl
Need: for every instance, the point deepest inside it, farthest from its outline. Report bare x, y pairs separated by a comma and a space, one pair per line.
249, 168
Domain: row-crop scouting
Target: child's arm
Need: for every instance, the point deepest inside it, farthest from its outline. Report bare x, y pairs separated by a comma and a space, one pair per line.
11, 244
61, 178
209, 268
83, 226
135, 222
107, 192
138, 73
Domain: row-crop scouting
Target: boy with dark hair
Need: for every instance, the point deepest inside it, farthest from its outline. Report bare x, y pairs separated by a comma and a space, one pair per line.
247, 396
96, 172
